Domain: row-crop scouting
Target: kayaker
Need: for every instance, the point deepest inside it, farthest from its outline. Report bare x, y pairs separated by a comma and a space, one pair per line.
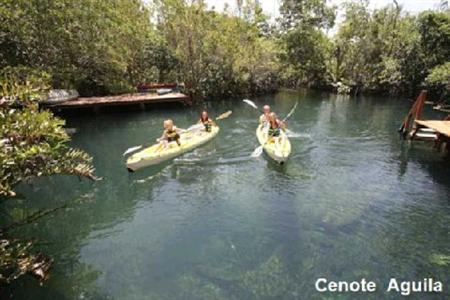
264, 118
206, 121
170, 134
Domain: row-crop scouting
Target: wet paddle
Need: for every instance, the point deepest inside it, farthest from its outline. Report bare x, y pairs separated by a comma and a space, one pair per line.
252, 104
291, 112
258, 151
224, 115
191, 128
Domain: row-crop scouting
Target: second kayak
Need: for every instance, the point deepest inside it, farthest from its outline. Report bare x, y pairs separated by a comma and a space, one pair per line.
158, 153
278, 151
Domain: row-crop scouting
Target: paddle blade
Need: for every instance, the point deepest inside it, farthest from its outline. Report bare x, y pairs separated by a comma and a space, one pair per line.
132, 149
224, 115
291, 112
251, 103
257, 152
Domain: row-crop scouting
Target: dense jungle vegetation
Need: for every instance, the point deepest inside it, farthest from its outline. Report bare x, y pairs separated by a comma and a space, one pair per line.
109, 47
101, 47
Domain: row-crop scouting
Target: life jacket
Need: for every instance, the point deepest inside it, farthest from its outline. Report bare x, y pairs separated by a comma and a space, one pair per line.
274, 131
207, 124
172, 135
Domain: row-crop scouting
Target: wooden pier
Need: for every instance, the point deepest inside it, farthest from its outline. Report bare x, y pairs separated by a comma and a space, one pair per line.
415, 128
441, 127
125, 99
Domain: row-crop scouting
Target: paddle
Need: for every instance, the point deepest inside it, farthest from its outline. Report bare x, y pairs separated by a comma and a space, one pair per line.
252, 104
224, 115
291, 112
258, 151
191, 128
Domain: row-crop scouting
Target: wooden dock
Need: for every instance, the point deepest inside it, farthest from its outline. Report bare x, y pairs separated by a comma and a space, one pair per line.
441, 127
125, 99
415, 128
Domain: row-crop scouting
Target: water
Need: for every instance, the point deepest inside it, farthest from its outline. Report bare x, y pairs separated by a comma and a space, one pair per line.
353, 202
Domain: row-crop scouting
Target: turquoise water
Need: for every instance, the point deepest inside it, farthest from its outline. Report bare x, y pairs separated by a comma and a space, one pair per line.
353, 202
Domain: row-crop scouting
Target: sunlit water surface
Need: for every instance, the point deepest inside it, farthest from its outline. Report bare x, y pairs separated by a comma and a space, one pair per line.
353, 202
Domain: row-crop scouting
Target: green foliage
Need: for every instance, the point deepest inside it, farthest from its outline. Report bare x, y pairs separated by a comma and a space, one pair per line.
439, 78
306, 13
440, 75
100, 47
218, 54
16, 260
90, 45
305, 47
306, 52
341, 88
386, 50
434, 29
369, 47
23, 84
34, 143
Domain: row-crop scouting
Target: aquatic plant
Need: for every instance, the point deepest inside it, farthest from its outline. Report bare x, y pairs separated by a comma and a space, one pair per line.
196, 288
440, 259
269, 280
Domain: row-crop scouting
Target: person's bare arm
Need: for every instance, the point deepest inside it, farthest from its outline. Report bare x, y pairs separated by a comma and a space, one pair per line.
163, 137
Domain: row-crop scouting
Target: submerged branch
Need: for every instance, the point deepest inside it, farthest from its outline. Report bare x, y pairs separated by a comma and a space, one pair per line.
31, 219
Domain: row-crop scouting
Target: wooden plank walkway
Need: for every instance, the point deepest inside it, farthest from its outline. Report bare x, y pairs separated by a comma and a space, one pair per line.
125, 99
442, 127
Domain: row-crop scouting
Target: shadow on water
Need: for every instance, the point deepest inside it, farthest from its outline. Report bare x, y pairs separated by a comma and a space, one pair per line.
423, 155
273, 165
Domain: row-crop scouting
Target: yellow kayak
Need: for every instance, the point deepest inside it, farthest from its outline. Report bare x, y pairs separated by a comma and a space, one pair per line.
158, 153
278, 151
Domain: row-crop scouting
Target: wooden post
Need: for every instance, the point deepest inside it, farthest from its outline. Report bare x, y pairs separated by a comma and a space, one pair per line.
421, 102
414, 113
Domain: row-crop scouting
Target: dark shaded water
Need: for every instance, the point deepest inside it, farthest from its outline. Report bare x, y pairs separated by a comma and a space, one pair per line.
353, 202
